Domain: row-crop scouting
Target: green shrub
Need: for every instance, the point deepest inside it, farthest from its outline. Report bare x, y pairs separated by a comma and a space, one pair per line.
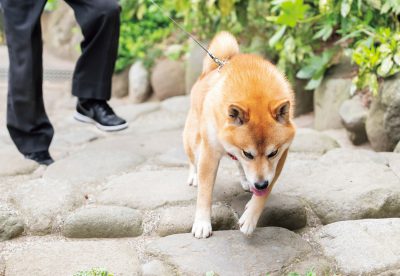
306, 37
142, 26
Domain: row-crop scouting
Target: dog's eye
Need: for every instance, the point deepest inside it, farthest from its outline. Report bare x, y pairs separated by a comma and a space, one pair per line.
248, 155
272, 154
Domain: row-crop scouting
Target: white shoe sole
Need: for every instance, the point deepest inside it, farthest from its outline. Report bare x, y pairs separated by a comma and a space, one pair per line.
84, 119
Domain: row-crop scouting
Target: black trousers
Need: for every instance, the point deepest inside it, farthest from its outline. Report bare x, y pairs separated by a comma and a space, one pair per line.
27, 121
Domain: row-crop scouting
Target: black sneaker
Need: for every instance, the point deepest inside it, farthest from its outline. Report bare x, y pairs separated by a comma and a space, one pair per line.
41, 157
98, 112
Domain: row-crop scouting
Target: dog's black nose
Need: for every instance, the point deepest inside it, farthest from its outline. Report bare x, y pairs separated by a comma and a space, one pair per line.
261, 185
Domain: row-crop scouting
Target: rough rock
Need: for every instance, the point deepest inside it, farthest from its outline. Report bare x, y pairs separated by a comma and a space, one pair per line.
194, 65
172, 85
383, 120
11, 225
152, 189
231, 253
76, 137
179, 104
169, 224
304, 98
43, 203
397, 148
2, 267
139, 83
343, 191
120, 84
131, 112
354, 114
328, 98
174, 157
13, 163
364, 247
70, 257
320, 265
103, 222
281, 211
341, 155
158, 121
392, 161
156, 268
312, 141
99, 160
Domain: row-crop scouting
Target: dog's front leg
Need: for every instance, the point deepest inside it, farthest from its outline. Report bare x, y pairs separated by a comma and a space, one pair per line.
248, 221
207, 171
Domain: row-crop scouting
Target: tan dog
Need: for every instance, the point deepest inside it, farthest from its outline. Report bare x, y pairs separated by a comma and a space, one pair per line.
243, 110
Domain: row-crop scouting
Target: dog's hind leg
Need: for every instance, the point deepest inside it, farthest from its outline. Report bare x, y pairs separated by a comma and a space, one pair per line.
192, 179
243, 180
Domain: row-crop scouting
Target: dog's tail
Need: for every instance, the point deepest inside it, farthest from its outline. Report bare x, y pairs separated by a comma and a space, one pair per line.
223, 46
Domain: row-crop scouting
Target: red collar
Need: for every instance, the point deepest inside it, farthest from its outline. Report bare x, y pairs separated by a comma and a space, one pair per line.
232, 156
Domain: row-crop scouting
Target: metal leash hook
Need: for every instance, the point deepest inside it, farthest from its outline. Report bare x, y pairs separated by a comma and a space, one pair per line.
218, 61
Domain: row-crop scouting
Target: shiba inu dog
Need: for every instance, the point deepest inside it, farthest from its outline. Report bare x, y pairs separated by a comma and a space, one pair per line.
243, 109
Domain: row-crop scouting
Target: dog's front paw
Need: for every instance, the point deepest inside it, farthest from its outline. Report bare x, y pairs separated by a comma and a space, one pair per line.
248, 222
201, 229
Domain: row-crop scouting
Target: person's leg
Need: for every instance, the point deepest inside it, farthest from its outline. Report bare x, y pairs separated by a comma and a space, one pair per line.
27, 122
99, 20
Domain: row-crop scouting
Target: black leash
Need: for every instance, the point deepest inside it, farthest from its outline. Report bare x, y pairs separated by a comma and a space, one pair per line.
214, 58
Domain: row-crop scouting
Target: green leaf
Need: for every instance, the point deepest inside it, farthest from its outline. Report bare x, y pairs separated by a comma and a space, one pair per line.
376, 4
306, 72
345, 7
226, 6
313, 83
325, 6
292, 11
396, 58
325, 32
385, 67
277, 36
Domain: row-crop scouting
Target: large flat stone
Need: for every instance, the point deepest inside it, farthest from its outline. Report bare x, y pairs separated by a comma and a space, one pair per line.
170, 223
131, 112
147, 144
95, 163
174, 157
152, 189
11, 225
393, 161
103, 222
342, 155
229, 252
13, 163
156, 268
312, 141
179, 104
78, 136
43, 203
281, 211
343, 191
363, 247
161, 120
67, 258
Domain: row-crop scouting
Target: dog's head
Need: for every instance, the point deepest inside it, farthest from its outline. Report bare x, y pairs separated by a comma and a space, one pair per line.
258, 112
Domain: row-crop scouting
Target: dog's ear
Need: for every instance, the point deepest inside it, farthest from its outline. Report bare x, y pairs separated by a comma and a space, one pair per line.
281, 111
237, 115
